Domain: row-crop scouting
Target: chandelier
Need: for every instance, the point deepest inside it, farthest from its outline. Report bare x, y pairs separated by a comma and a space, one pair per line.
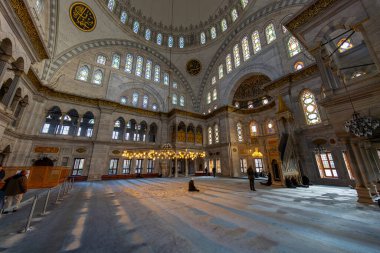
361, 126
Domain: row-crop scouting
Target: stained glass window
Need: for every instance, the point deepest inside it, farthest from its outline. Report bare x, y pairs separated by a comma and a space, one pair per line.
203, 38
98, 77
170, 41
181, 42
159, 39
284, 30
39, 6
221, 73
147, 34
234, 15
345, 44
83, 73
174, 85
256, 42
209, 98
214, 95
209, 135
299, 65
239, 132
294, 47
101, 60
223, 24
166, 78
213, 32
136, 27
310, 108
174, 99
145, 101
270, 33
213, 80
245, 47
139, 65
123, 17
123, 100
148, 69
111, 4
244, 3
116, 61
135, 99
216, 133
182, 101
253, 129
129, 63
326, 165
228, 63
157, 73
236, 56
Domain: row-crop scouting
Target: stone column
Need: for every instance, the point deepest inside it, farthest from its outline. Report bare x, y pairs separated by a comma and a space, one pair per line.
369, 171
359, 28
176, 168
329, 80
186, 167
4, 61
144, 165
7, 99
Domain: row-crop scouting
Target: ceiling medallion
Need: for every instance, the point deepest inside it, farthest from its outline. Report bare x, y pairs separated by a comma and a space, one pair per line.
82, 17
193, 67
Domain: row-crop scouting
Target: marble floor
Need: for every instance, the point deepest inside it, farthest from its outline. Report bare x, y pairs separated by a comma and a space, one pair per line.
159, 215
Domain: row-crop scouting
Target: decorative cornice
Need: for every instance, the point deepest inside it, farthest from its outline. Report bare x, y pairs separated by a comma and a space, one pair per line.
309, 13
26, 21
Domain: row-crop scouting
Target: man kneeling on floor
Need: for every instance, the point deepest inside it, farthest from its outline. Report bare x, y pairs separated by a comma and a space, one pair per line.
192, 187
15, 187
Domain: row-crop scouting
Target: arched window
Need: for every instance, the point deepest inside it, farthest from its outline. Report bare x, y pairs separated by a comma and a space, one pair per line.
98, 77
101, 60
69, 123
83, 73
182, 101
228, 63
234, 15
214, 95
166, 79
270, 127
118, 129
52, 121
213, 32
123, 17
39, 6
244, 3
203, 38
135, 99
148, 69
239, 132
139, 65
310, 108
216, 133
145, 101
136, 27
141, 131
181, 42
245, 47
294, 47
270, 33
209, 135
159, 39
174, 85
174, 99
111, 5
123, 100
128, 63
152, 132
236, 56
250, 104
344, 44
209, 98
157, 73
237, 105
86, 127
155, 107
213, 80
170, 41
223, 24
130, 131
299, 65
256, 42
147, 34
253, 129
116, 61
221, 72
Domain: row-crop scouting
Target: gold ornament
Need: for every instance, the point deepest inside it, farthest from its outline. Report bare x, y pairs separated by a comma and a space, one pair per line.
193, 67
82, 16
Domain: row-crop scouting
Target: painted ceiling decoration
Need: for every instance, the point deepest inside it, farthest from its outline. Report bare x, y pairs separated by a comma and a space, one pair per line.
82, 17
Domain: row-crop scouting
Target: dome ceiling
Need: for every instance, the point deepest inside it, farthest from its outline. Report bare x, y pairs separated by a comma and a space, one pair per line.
187, 14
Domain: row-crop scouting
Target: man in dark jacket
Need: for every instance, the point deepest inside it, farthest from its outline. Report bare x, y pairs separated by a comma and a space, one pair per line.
251, 177
14, 190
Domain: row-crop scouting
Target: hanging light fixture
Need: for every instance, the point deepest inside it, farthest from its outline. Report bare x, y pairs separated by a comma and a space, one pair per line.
361, 126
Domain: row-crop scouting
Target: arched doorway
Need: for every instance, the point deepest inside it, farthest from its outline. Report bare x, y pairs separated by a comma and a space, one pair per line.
45, 161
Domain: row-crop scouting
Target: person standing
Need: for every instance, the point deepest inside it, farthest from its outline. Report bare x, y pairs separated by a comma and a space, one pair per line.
251, 178
214, 171
15, 188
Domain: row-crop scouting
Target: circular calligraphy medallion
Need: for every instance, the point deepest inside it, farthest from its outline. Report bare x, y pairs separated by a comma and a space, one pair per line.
82, 17
193, 67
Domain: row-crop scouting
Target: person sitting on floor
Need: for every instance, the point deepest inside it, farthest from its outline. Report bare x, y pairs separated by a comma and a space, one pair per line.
269, 182
289, 183
192, 187
296, 184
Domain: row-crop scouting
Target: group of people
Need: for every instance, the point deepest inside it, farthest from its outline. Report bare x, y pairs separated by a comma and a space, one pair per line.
13, 190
